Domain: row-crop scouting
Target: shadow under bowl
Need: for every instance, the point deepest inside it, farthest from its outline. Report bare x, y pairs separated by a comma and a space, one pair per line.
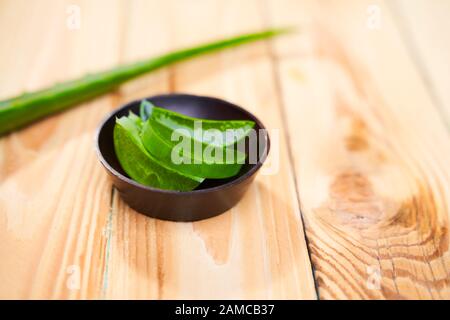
213, 196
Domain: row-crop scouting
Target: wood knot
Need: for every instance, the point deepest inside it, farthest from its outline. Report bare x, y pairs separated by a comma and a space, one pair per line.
352, 202
357, 139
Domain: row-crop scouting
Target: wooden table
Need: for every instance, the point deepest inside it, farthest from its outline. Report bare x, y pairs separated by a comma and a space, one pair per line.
359, 205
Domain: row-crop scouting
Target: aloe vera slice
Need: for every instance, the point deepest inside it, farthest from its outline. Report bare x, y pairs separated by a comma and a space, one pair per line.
188, 164
165, 121
142, 166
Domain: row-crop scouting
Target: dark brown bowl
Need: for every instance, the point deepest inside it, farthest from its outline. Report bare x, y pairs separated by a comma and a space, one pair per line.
210, 198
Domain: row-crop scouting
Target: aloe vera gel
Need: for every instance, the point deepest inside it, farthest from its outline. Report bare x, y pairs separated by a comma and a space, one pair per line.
168, 150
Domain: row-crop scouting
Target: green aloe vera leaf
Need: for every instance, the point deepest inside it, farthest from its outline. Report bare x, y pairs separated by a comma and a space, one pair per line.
165, 122
145, 110
187, 163
137, 120
28, 107
143, 167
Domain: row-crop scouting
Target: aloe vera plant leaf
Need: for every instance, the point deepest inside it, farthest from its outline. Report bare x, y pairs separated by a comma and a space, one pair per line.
157, 137
137, 120
188, 164
141, 166
145, 109
21, 110
165, 121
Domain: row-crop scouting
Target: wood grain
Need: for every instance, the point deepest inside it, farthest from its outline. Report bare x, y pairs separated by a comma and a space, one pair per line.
370, 151
360, 111
65, 233
257, 250
54, 196
423, 25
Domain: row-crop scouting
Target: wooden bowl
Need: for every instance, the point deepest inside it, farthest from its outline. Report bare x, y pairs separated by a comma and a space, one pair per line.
211, 197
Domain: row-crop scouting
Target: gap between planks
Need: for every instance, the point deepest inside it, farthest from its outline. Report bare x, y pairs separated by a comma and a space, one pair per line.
275, 65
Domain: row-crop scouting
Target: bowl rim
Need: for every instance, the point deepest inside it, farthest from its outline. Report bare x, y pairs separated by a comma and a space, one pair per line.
227, 185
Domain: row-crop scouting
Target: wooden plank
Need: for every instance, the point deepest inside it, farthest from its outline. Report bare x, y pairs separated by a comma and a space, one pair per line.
66, 233
370, 150
54, 194
257, 250
424, 26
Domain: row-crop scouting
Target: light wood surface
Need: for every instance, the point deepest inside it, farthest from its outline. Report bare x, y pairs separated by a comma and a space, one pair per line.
359, 208
423, 25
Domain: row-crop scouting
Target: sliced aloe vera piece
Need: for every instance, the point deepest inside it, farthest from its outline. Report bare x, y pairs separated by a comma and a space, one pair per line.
174, 157
142, 166
165, 122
